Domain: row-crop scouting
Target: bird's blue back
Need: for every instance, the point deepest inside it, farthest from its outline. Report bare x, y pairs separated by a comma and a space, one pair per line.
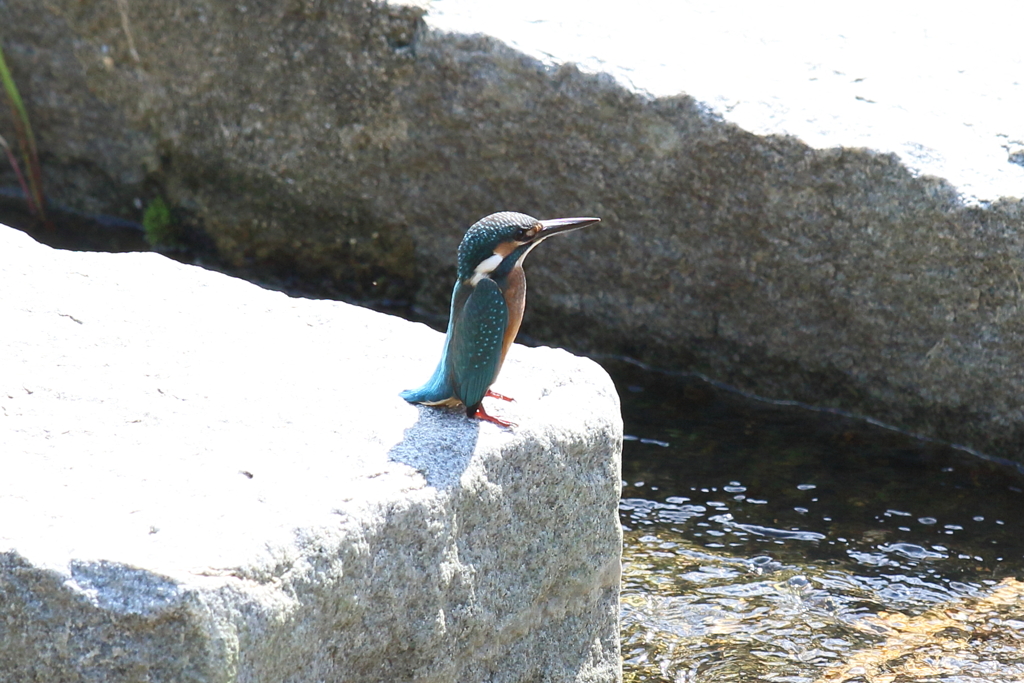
472, 351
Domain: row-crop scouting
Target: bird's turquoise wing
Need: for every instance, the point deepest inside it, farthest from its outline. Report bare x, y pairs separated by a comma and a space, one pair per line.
438, 389
476, 338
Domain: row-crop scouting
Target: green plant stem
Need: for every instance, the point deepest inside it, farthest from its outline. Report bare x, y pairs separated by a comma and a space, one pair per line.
26, 139
21, 179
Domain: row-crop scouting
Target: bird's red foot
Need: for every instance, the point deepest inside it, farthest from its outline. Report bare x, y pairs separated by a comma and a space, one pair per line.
494, 394
481, 414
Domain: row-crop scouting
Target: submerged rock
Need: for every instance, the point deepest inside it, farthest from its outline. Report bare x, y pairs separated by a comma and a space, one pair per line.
208, 481
350, 144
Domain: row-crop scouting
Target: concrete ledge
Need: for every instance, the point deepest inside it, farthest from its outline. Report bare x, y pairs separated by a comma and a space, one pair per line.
208, 481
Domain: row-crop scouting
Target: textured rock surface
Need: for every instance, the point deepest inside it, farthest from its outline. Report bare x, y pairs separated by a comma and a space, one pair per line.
350, 144
207, 481
941, 90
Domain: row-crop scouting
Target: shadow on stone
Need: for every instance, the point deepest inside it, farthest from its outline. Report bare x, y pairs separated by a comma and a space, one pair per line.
439, 445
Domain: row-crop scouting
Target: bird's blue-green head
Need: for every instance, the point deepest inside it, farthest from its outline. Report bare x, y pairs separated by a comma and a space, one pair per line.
494, 245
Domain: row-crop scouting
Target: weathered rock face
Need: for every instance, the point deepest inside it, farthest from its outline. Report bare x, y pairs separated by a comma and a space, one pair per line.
207, 481
351, 144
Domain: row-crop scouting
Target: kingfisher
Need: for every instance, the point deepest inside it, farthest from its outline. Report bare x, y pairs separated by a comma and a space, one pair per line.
487, 307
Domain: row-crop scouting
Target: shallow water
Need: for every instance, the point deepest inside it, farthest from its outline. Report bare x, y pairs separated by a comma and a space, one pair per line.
767, 543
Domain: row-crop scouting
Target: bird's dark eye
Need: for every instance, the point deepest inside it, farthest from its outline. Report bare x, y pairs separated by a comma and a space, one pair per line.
520, 235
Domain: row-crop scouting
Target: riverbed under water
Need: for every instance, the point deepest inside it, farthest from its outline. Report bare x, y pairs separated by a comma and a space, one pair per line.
774, 543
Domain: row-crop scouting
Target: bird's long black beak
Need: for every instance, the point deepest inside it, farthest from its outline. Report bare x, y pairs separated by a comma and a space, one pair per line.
557, 225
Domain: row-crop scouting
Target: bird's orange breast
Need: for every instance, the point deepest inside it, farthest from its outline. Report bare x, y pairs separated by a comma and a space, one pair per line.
515, 299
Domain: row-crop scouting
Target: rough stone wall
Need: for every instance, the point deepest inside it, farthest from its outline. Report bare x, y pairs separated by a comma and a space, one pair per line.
349, 145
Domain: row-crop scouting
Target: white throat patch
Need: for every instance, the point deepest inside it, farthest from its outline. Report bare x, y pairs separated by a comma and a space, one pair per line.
485, 268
